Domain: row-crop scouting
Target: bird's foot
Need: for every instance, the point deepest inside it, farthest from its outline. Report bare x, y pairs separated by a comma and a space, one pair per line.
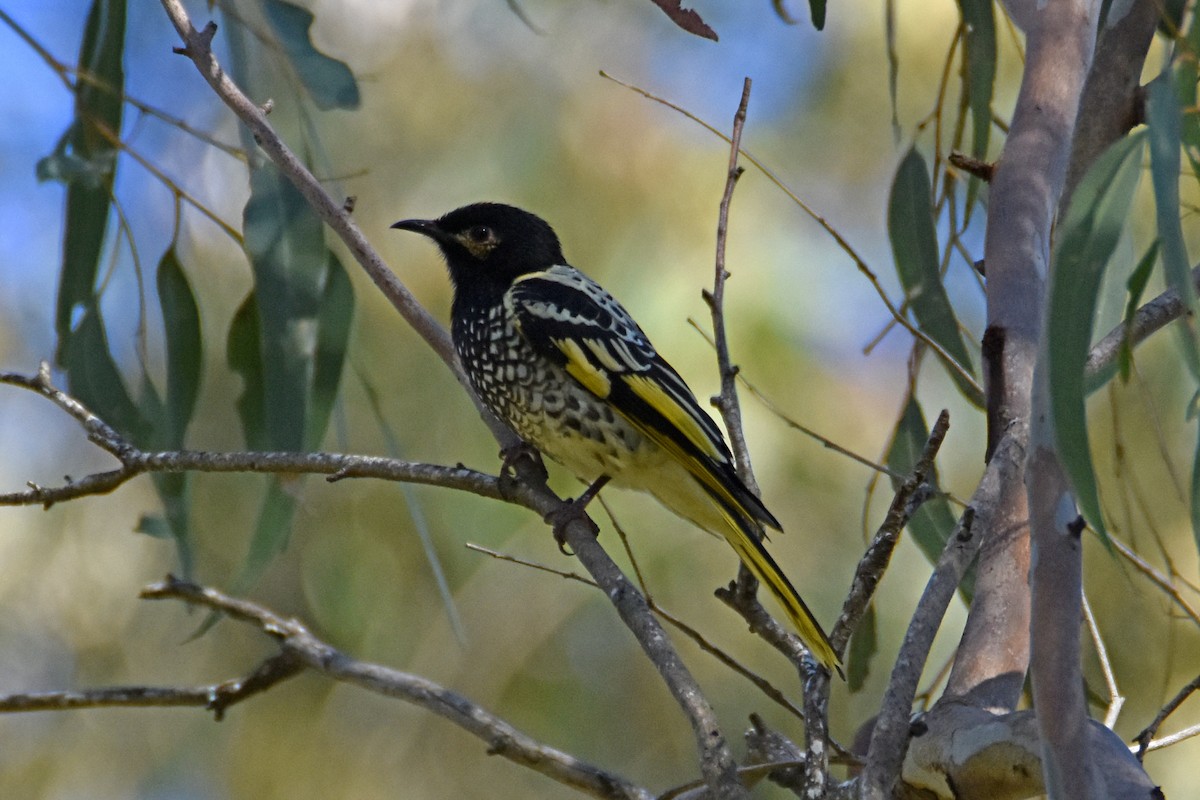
511, 459
572, 510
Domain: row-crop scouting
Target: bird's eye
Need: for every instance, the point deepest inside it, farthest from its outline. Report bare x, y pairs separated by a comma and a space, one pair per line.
481, 234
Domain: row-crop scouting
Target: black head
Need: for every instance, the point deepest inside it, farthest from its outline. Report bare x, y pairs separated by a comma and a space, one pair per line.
490, 243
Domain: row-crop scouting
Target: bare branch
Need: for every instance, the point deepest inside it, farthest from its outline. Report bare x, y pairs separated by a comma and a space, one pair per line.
1144, 738
305, 649
215, 698
1115, 699
1147, 320
135, 462
1174, 738
889, 739
727, 403
908, 498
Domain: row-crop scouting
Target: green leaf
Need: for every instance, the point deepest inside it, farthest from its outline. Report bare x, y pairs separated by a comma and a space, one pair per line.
1087, 237
914, 246
93, 378
329, 82
1164, 118
1136, 286
185, 349
333, 336
85, 158
154, 525
175, 491
863, 647
243, 353
285, 242
817, 9
980, 78
1196, 494
980, 22
270, 534
933, 523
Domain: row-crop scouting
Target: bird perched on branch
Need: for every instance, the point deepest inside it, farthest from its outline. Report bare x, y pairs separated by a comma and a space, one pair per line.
553, 355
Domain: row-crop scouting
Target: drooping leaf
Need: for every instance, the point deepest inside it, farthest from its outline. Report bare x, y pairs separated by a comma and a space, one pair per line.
863, 647
1087, 237
933, 523
1164, 118
185, 350
817, 9
85, 158
980, 78
1136, 286
270, 537
914, 246
412, 500
1196, 493
979, 18
93, 378
154, 525
286, 246
243, 353
328, 81
175, 491
271, 533
333, 336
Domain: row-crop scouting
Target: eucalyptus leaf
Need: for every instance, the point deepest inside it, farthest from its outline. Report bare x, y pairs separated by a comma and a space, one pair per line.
863, 647
1165, 121
84, 158
328, 81
333, 337
285, 242
914, 245
1087, 237
94, 379
185, 348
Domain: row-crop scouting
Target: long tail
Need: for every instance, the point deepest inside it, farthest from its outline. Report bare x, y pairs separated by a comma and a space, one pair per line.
745, 536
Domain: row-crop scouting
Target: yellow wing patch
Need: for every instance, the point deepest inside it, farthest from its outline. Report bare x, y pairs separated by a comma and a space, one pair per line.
675, 414
594, 379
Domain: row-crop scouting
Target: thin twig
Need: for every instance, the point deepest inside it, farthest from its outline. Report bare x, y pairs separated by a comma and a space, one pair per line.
1157, 578
501, 737
874, 562
728, 403
763, 685
968, 380
1147, 320
774, 408
1144, 739
889, 739
215, 698
1167, 741
1115, 699
816, 767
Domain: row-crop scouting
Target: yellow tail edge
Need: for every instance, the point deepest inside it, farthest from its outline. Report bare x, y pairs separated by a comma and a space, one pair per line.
752, 553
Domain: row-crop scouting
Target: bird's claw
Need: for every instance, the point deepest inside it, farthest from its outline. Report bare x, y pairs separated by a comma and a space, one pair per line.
510, 466
572, 510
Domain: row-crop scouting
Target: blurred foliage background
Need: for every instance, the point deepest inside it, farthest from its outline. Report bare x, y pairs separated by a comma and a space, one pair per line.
462, 101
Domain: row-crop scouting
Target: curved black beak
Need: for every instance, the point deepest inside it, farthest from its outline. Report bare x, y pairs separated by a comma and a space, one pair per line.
425, 227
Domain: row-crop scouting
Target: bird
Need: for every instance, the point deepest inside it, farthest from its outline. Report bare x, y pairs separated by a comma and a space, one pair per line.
560, 361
